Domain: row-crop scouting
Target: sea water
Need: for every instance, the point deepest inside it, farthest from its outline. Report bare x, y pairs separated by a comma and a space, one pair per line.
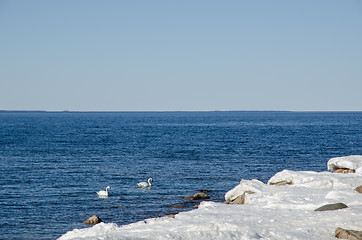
52, 164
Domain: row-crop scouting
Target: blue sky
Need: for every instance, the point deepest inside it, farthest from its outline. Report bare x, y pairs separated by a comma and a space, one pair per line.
181, 55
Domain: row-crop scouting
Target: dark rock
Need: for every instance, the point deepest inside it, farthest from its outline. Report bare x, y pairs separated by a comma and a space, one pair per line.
281, 183
359, 189
348, 234
93, 220
198, 196
334, 206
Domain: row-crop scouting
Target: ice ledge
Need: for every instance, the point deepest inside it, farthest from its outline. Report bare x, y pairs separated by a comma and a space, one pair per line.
353, 162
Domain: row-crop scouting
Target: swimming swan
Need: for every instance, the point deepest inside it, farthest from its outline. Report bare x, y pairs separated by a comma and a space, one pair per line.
104, 193
145, 184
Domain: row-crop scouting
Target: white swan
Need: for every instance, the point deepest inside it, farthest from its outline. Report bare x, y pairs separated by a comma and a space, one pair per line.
145, 184
104, 193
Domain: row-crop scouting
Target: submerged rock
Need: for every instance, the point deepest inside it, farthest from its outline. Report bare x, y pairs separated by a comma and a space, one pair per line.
348, 234
333, 206
93, 220
197, 196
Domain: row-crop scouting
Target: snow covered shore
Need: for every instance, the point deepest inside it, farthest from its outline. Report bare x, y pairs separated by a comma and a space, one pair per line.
270, 211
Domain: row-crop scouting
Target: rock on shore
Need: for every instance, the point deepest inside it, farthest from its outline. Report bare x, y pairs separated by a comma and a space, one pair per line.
93, 220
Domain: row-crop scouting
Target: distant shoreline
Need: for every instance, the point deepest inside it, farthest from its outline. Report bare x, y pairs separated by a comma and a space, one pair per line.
183, 111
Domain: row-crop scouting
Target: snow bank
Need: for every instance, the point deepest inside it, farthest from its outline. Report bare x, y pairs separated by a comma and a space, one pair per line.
351, 162
307, 190
271, 212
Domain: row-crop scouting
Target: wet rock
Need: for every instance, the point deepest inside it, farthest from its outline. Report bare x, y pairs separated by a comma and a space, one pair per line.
359, 189
281, 183
93, 220
344, 170
198, 196
330, 207
348, 234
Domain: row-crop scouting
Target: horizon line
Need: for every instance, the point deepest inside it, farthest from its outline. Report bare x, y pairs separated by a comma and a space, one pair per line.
162, 111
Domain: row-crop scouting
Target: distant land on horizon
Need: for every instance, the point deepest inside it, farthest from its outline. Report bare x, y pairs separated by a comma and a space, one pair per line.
120, 111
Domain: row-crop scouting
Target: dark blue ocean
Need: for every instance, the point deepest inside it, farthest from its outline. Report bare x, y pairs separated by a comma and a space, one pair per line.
52, 164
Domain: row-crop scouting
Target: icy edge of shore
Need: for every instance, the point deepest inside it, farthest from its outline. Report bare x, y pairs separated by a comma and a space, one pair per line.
272, 211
